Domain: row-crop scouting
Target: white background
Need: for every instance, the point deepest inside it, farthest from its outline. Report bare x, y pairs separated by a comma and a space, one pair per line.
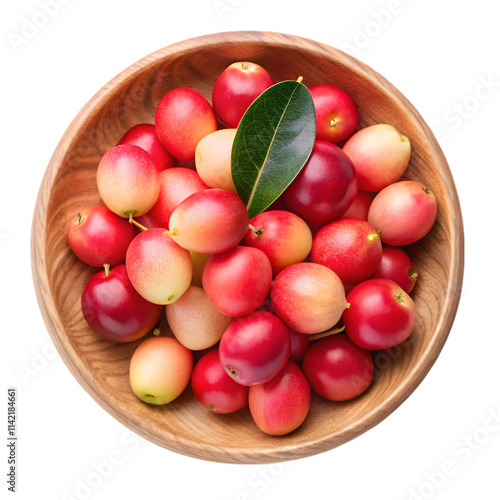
439, 55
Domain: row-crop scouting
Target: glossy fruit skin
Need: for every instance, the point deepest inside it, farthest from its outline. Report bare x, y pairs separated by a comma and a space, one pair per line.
380, 315
349, 247
308, 297
209, 221
214, 388
182, 118
195, 321
144, 135
380, 154
283, 236
254, 348
159, 269
176, 184
114, 309
160, 369
359, 207
336, 113
281, 405
127, 180
300, 344
403, 212
213, 159
325, 187
98, 236
236, 88
337, 369
237, 281
396, 265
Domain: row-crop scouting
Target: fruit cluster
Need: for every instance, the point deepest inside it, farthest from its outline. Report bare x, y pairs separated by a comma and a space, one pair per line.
257, 306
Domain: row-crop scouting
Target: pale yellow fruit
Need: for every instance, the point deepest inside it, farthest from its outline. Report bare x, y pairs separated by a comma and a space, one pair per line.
194, 321
213, 159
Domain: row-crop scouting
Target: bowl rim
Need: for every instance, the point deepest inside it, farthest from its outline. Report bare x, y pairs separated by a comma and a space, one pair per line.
272, 454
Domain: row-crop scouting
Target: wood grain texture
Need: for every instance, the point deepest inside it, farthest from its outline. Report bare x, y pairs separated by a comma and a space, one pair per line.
69, 184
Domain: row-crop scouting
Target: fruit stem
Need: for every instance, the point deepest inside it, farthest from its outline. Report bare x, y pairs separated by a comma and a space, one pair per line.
156, 332
404, 138
299, 79
258, 231
399, 298
173, 232
374, 236
106, 269
80, 218
426, 190
139, 225
327, 333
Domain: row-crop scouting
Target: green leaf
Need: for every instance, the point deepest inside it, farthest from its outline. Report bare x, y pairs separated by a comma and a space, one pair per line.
272, 143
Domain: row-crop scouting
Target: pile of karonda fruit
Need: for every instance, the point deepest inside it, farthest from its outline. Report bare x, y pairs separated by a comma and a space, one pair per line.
267, 229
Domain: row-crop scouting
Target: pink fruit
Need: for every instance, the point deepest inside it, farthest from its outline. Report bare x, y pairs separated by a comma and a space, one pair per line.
325, 187
237, 281
403, 212
308, 297
281, 405
114, 309
183, 117
127, 180
300, 344
283, 236
159, 269
236, 88
98, 236
176, 184
336, 113
214, 388
350, 247
254, 348
209, 221
144, 135
337, 369
380, 154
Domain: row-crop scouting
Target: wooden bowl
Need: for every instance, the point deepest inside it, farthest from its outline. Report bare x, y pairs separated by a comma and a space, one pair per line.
184, 426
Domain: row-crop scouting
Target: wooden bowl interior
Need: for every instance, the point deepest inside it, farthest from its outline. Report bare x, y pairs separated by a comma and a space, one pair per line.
69, 184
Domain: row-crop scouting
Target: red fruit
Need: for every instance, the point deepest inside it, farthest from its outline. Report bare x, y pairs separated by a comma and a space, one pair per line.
359, 207
350, 247
283, 236
254, 348
281, 405
183, 117
127, 180
337, 369
236, 88
209, 221
325, 187
144, 135
336, 113
300, 344
237, 281
98, 236
214, 388
308, 297
380, 314
403, 212
176, 184
397, 266
114, 309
